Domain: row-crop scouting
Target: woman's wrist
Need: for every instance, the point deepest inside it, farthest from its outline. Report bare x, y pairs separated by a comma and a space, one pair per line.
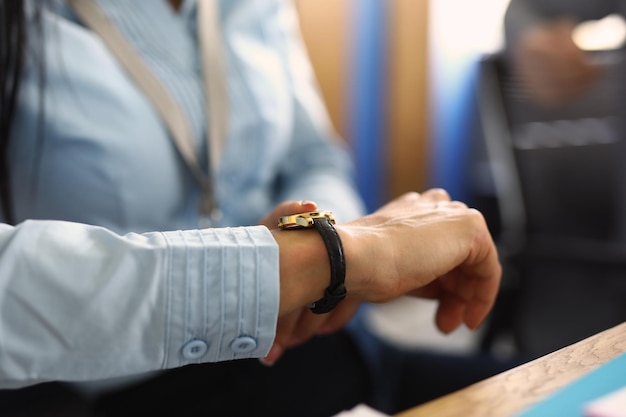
304, 268
305, 264
356, 276
366, 252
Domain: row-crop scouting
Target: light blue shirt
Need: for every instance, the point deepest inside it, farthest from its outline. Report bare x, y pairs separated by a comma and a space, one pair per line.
88, 289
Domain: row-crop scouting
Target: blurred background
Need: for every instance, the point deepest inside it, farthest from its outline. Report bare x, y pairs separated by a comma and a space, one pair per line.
422, 93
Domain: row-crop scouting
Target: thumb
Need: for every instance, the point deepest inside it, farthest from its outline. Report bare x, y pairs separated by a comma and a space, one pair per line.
286, 208
292, 207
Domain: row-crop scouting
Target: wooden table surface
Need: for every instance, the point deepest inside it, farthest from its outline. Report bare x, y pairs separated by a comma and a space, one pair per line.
512, 391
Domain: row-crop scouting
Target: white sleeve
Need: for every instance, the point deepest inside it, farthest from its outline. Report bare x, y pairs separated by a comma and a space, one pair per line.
81, 303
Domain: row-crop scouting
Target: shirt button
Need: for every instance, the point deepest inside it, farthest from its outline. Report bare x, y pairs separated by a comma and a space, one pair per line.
195, 349
243, 344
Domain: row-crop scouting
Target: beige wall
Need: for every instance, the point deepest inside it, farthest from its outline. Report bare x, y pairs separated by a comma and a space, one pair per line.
408, 96
326, 30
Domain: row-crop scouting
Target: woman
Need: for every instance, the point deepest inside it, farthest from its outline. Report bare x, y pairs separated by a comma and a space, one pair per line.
90, 291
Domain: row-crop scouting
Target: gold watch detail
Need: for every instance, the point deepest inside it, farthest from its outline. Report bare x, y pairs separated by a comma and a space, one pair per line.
304, 220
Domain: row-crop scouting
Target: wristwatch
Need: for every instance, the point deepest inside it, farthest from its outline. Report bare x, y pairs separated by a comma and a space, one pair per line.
323, 222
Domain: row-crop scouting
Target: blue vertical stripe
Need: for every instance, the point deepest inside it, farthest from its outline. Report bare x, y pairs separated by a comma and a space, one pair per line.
367, 98
454, 120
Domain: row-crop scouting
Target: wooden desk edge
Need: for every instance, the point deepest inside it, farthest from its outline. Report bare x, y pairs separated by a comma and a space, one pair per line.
516, 389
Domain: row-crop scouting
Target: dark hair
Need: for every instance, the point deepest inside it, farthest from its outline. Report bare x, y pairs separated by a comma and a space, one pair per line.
12, 52
20, 33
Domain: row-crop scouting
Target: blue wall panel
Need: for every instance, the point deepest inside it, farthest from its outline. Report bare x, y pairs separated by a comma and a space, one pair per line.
368, 99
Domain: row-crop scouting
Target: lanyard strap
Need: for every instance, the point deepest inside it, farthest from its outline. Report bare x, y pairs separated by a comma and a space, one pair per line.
214, 72
216, 94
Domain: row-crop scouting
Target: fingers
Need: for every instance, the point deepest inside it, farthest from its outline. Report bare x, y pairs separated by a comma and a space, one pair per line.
339, 317
286, 208
467, 294
439, 196
436, 194
296, 328
456, 307
276, 351
308, 324
434, 198
307, 327
429, 199
433, 194
454, 311
450, 313
286, 326
284, 330
292, 207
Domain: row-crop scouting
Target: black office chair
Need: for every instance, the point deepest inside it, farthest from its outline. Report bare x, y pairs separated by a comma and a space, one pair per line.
555, 195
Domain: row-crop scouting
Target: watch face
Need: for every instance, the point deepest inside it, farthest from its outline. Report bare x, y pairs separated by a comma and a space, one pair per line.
300, 220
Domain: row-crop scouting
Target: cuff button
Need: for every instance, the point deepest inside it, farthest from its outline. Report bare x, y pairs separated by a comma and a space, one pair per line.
243, 344
195, 349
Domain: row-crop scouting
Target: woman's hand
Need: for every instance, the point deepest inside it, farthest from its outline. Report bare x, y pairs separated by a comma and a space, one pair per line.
421, 245
426, 246
299, 326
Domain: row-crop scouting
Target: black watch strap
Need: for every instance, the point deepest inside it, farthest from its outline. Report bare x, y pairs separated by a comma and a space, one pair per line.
336, 291
323, 222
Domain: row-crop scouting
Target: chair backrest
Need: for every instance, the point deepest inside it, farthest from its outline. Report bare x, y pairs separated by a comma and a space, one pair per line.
558, 179
558, 172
